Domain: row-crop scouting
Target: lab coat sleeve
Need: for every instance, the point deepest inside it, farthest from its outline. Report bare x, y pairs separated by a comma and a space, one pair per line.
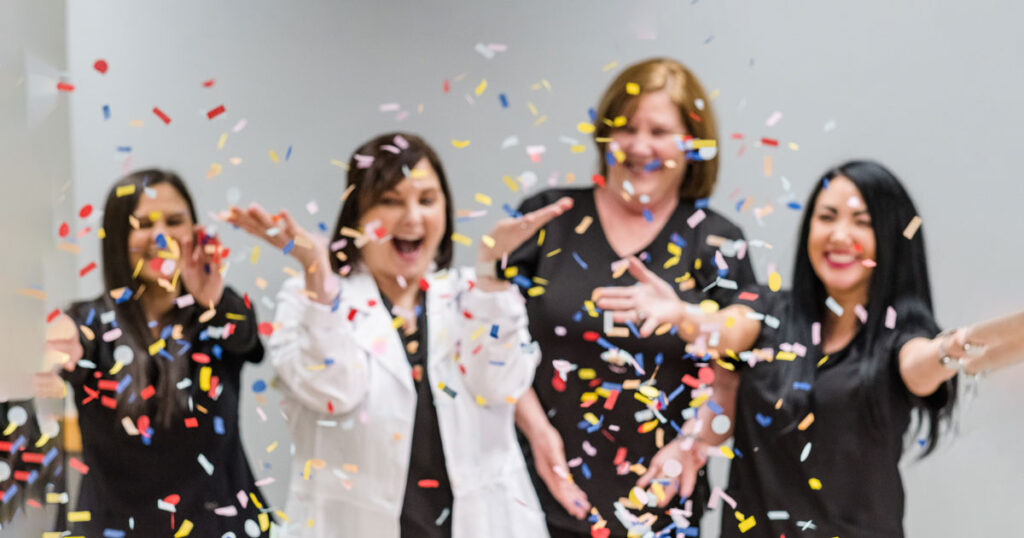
499, 363
314, 353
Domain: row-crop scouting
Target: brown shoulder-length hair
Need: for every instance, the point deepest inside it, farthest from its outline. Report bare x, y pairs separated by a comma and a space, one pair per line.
376, 167
663, 74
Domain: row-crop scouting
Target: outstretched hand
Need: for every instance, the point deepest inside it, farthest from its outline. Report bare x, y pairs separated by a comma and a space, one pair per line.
650, 302
201, 263
549, 459
675, 466
509, 233
281, 232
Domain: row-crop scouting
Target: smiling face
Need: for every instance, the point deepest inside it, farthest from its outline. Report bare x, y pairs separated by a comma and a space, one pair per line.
413, 214
841, 241
165, 224
652, 165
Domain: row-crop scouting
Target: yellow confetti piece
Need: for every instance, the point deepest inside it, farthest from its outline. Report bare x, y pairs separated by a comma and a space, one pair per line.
747, 524
487, 240
649, 391
459, 144
591, 418
632, 88
33, 293
533, 109
482, 198
649, 426
555, 252
476, 334
10, 429
806, 422
511, 183
775, 281
535, 291
619, 121
584, 127
185, 530
671, 262
584, 224
339, 164
586, 374
610, 65
125, 190
255, 502
822, 361
663, 329
591, 308
793, 146
727, 452
709, 306
911, 230
462, 239
481, 401
540, 237
56, 498
264, 519
101, 233
214, 171
273, 156
79, 517
116, 368
155, 347
222, 140
714, 94
642, 399
397, 322
205, 373
705, 143
577, 148
785, 356
272, 447
481, 87
283, 516
814, 483
540, 120
698, 401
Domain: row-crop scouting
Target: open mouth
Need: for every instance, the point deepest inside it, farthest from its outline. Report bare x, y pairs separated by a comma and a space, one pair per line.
407, 248
840, 259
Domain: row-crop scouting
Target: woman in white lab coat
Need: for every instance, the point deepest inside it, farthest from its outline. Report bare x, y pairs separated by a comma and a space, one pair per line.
400, 375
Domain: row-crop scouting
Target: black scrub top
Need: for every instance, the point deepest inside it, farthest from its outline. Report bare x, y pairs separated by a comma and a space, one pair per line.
197, 464
426, 508
604, 438
839, 476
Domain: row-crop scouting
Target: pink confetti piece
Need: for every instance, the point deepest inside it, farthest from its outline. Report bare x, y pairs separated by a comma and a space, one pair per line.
243, 499
696, 218
401, 142
111, 335
890, 318
363, 161
389, 107
773, 119
862, 314
239, 126
816, 333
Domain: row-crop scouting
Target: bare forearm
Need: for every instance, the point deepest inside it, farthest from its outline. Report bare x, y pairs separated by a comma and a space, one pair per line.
735, 331
530, 417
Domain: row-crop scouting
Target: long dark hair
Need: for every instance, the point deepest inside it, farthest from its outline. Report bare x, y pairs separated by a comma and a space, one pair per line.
375, 168
168, 402
900, 279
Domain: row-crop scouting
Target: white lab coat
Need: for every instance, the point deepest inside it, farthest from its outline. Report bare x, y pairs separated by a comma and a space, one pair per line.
350, 466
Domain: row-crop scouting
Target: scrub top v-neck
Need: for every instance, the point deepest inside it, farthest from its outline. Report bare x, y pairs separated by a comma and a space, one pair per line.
426, 508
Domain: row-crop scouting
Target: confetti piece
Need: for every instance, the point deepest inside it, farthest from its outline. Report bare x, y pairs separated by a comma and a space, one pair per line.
79, 517
125, 190
912, 227
814, 483
805, 452
632, 88
273, 156
214, 112
834, 306
160, 114
584, 224
483, 199
806, 422
65, 87
696, 218
481, 87
775, 281
205, 463
100, 66
462, 239
185, 530
747, 524
459, 144
890, 318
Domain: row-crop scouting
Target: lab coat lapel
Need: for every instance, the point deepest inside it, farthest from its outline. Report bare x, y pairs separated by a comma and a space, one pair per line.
441, 323
373, 330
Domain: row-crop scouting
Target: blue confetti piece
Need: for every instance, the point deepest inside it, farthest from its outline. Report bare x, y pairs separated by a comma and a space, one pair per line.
106, 112
494, 331
185, 346
677, 239
605, 344
259, 386
922, 442
799, 385
659, 358
90, 316
218, 426
579, 260
322, 225
123, 384
680, 145
648, 216
288, 154
217, 351
418, 310
147, 439
794, 205
161, 241
288, 248
632, 328
653, 165
522, 282
609, 158
131, 398
611, 386
691, 532
739, 204
639, 358
738, 452
328, 361
578, 316
824, 183
50, 456
10, 493
585, 470
336, 303
165, 333
592, 114
722, 273
763, 420
701, 203
504, 100
674, 330
448, 390
113, 533
676, 392
16, 446
510, 211
714, 407
124, 149
582, 425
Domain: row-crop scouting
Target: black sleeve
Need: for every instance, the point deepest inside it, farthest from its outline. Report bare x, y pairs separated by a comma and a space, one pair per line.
740, 271
243, 342
525, 257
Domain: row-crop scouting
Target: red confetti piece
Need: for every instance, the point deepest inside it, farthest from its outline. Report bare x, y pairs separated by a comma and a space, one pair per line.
101, 66
21, 476
144, 425
748, 296
77, 465
706, 375
5, 446
424, 285
694, 116
447, 86
467, 314
191, 422
108, 402
85, 211
148, 392
64, 230
770, 142
160, 114
208, 83
33, 503
87, 269
107, 384
215, 112
265, 328
598, 180
600, 532
620, 456
591, 336
380, 233
32, 457
609, 403
246, 299
201, 358
65, 87
737, 136
83, 232
428, 483
330, 407
691, 381
173, 499
352, 314
214, 381
52, 315
558, 383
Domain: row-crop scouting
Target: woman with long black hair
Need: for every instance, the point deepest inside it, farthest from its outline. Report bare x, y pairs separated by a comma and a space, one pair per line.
155, 366
848, 360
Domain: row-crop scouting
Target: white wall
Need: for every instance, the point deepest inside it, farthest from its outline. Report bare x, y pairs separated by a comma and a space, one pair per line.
931, 89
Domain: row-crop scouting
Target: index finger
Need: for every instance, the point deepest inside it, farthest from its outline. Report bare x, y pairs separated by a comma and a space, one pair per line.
534, 220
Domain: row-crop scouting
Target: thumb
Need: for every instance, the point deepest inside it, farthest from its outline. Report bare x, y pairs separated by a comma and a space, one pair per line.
650, 475
639, 271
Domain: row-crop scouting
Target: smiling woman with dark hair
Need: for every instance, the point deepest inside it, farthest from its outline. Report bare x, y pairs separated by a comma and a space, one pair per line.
155, 365
849, 359
399, 373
